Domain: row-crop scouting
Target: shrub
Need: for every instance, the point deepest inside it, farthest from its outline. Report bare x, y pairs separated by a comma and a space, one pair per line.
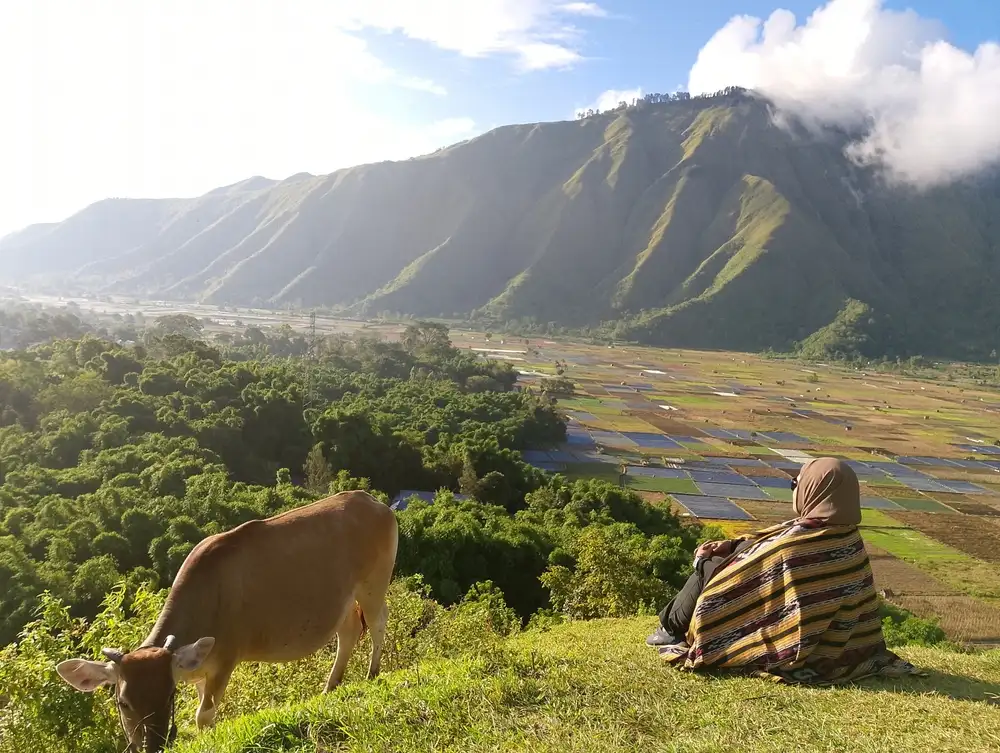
902, 628
42, 713
619, 573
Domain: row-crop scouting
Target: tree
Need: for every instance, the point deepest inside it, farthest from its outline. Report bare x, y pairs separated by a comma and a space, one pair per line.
317, 470
557, 386
115, 461
615, 573
93, 580
483, 383
179, 324
427, 339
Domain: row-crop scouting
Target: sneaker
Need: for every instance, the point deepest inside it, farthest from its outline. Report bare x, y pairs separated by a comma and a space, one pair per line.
663, 638
674, 651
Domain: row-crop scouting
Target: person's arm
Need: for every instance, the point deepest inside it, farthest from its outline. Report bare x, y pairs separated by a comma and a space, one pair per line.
741, 543
718, 548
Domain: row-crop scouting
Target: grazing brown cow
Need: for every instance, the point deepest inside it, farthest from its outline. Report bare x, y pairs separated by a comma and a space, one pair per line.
272, 590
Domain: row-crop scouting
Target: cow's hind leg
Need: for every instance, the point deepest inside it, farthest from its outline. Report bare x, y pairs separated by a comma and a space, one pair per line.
377, 615
348, 634
372, 599
210, 692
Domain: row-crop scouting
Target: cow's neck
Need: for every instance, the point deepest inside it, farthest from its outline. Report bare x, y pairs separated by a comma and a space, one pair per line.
170, 622
183, 621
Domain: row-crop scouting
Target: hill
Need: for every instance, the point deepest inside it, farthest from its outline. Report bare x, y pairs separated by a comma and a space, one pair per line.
594, 686
699, 222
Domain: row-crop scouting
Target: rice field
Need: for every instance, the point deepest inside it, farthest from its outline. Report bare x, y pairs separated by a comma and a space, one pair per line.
719, 436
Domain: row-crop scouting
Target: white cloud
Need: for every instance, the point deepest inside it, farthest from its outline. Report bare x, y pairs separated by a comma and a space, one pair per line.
584, 9
422, 85
536, 56
175, 97
535, 32
610, 99
932, 107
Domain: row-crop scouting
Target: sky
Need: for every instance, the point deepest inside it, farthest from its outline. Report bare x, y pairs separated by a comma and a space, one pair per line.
158, 98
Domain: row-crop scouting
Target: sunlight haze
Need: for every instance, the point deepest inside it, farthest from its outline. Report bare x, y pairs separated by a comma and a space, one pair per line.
142, 98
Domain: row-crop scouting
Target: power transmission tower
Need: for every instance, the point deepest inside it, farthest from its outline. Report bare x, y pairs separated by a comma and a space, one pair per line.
312, 357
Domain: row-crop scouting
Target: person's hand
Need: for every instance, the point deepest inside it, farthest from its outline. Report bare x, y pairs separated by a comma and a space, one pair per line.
714, 549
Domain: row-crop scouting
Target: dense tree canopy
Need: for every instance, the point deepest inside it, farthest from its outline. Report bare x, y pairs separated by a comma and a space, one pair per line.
115, 460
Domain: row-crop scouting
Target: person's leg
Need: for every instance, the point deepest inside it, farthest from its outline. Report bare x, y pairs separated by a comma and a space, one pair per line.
676, 616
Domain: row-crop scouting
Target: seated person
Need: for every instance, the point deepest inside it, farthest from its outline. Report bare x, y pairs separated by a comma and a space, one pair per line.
795, 602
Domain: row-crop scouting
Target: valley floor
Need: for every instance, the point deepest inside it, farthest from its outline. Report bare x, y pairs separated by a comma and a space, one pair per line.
594, 687
717, 436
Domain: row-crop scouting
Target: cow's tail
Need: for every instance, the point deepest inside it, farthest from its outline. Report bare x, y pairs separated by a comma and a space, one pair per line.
361, 616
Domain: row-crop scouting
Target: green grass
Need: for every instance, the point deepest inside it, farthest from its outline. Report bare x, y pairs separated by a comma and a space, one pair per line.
922, 504
698, 447
782, 495
872, 517
594, 687
676, 485
589, 404
887, 485
757, 450
697, 401
908, 544
605, 471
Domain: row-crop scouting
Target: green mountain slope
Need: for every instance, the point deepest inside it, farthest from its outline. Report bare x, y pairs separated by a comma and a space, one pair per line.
594, 686
695, 223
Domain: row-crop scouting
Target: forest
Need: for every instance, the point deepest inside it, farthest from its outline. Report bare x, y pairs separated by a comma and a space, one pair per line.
115, 460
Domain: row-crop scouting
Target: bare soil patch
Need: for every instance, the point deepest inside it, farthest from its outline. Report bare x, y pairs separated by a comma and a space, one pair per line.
976, 508
653, 498
768, 512
895, 492
877, 451
948, 498
770, 413
903, 578
986, 476
761, 471
962, 618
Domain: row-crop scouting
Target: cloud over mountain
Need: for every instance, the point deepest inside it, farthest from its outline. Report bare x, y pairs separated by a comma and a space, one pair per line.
931, 107
610, 99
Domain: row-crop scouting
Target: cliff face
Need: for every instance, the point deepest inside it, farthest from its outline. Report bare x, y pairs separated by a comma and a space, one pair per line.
700, 223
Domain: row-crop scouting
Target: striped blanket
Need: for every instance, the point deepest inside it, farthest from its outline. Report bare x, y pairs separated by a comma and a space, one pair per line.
797, 606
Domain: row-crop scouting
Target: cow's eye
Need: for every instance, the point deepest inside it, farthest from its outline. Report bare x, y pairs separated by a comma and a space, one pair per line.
125, 706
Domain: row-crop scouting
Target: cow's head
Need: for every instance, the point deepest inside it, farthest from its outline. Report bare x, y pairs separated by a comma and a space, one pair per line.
144, 682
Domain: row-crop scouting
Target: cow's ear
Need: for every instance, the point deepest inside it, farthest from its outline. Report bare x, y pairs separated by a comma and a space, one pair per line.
86, 675
190, 657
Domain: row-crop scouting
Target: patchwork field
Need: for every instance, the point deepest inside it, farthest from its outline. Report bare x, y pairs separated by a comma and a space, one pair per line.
719, 436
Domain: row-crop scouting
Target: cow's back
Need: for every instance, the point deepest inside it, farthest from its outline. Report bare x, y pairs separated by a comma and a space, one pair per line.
276, 589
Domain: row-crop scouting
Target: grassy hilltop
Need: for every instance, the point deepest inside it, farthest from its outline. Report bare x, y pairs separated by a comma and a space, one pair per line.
697, 223
594, 687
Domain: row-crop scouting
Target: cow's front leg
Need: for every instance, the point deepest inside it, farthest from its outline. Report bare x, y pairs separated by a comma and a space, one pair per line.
210, 693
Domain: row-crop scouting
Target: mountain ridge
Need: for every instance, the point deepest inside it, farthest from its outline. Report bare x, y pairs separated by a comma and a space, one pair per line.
698, 222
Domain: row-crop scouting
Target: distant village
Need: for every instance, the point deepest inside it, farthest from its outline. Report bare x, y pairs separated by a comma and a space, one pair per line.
657, 98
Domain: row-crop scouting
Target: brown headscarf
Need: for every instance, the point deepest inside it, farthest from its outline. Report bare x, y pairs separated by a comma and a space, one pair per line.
828, 490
